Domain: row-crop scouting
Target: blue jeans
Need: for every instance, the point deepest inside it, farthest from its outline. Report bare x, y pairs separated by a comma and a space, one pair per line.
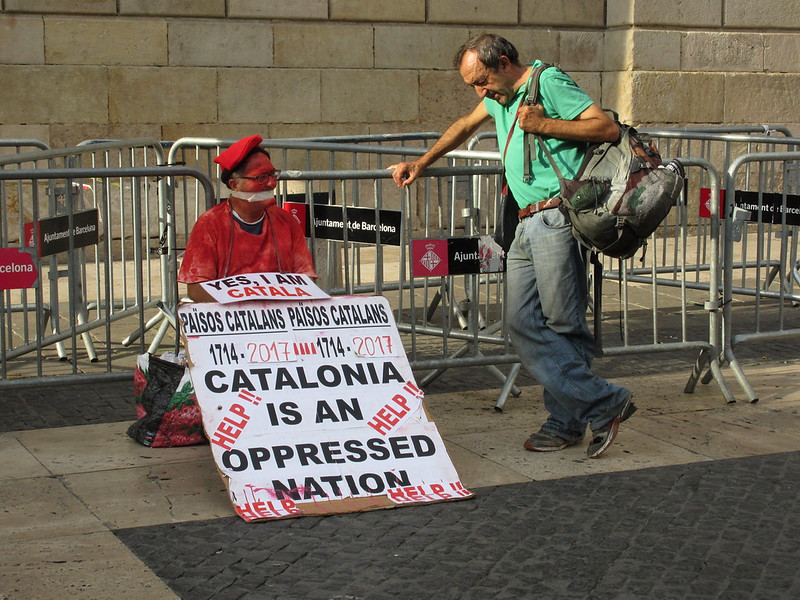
546, 316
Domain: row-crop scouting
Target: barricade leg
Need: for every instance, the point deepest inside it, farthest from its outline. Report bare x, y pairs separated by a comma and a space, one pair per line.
508, 387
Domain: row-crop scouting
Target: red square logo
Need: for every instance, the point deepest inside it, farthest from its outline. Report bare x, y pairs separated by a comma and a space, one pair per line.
429, 258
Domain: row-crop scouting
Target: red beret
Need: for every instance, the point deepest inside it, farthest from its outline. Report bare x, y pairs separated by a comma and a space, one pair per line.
234, 155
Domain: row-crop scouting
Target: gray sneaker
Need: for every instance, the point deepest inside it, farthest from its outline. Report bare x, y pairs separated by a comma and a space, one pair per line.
544, 441
603, 436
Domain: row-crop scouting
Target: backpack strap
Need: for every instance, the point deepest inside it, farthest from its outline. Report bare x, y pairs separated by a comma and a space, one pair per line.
530, 99
533, 80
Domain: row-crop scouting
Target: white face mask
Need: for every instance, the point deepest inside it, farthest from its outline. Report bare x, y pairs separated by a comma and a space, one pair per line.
253, 196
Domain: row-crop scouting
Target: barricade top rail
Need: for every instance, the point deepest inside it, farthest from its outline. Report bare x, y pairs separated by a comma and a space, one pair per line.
84, 172
305, 144
13, 143
724, 137
766, 132
763, 129
294, 175
379, 137
86, 149
759, 157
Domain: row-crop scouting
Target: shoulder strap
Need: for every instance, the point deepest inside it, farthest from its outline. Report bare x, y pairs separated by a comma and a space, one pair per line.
532, 91
533, 95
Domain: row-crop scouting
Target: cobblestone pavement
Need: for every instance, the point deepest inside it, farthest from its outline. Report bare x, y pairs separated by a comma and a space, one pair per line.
729, 529
66, 405
710, 529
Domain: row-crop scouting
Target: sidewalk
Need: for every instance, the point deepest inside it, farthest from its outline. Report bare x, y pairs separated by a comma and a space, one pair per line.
695, 499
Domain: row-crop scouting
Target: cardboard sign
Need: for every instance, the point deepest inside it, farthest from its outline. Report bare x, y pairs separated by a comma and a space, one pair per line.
263, 286
312, 408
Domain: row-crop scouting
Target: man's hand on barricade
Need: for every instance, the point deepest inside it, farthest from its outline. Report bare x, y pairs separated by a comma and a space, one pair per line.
405, 173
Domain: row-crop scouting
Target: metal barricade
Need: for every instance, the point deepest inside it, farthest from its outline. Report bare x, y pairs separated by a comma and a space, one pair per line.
457, 321
350, 153
445, 320
719, 146
761, 291
135, 153
85, 266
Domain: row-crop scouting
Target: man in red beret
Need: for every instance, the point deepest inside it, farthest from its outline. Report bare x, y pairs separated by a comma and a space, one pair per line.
247, 233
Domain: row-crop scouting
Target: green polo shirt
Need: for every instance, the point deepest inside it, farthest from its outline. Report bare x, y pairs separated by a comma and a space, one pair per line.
561, 98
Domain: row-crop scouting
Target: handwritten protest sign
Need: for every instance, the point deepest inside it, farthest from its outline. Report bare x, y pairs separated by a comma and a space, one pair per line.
311, 407
263, 286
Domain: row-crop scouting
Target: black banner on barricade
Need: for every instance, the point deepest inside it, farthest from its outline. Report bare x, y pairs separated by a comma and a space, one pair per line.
311, 408
54, 233
771, 209
364, 225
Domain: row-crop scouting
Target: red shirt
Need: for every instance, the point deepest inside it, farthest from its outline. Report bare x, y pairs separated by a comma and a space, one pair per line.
218, 247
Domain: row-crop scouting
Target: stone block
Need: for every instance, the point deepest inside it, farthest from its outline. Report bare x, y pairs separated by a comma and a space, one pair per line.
616, 92
279, 9
323, 45
316, 130
443, 97
555, 13
223, 131
642, 49
618, 50
681, 13
761, 98
472, 11
677, 97
703, 51
23, 40
63, 94
207, 43
318, 160
775, 14
591, 83
104, 41
619, 12
271, 96
173, 8
85, 7
158, 95
408, 11
417, 46
67, 135
655, 50
781, 52
369, 96
532, 44
24, 132
581, 50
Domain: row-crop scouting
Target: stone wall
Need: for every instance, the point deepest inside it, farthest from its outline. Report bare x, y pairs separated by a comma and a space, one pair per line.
89, 69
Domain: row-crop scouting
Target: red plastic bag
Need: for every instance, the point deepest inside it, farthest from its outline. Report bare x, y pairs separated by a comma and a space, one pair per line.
166, 405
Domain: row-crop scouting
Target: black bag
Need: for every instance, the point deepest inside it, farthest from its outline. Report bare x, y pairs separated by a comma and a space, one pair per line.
621, 193
507, 218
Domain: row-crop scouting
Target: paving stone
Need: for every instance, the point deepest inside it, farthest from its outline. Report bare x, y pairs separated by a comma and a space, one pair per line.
669, 532
66, 405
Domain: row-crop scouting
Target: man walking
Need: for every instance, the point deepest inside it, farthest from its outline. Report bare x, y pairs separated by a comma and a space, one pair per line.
547, 292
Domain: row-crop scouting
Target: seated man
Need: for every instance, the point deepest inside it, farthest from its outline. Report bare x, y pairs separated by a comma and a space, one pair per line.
247, 233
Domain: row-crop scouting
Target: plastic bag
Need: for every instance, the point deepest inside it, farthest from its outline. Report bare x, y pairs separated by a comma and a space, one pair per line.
166, 405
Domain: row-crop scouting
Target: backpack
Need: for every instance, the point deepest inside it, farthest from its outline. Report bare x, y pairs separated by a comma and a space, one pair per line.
621, 192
